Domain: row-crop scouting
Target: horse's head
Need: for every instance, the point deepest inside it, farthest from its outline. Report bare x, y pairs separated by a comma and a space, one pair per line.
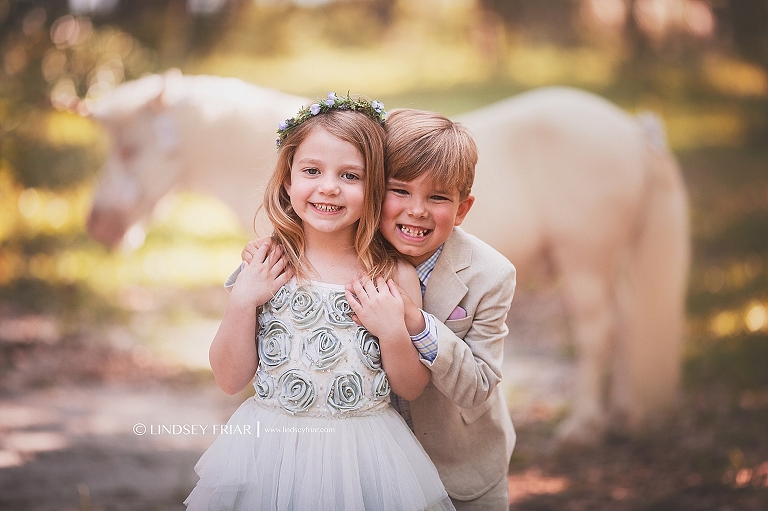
143, 164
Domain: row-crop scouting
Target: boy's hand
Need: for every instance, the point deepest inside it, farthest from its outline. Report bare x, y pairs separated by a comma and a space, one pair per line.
253, 246
379, 307
260, 278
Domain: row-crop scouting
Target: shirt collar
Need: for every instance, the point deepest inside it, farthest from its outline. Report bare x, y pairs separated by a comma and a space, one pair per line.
424, 270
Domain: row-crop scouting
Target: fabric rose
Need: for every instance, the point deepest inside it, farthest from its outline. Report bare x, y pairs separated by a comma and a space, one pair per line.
274, 343
338, 312
262, 320
368, 345
296, 391
279, 301
322, 348
306, 307
264, 385
380, 385
346, 393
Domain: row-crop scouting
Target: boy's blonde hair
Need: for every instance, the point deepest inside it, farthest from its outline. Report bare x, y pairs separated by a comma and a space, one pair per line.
368, 137
419, 141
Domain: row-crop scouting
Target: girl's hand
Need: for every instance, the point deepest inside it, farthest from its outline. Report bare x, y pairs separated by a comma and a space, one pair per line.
252, 247
378, 307
262, 276
414, 319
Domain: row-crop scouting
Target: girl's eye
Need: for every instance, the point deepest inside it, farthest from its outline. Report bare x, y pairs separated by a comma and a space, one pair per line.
349, 176
398, 191
312, 171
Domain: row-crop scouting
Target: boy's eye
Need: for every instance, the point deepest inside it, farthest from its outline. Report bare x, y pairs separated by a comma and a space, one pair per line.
439, 198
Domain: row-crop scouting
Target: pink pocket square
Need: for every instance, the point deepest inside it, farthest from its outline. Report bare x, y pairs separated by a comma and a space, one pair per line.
458, 313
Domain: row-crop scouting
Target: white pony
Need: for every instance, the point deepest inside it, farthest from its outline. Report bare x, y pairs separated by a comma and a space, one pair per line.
210, 135
564, 177
568, 180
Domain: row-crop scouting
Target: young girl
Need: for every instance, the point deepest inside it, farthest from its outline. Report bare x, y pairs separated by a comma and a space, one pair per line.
322, 432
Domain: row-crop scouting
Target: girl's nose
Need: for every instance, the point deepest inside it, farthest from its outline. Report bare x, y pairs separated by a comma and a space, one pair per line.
328, 186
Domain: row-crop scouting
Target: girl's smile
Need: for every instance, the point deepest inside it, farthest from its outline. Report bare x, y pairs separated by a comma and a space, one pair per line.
327, 208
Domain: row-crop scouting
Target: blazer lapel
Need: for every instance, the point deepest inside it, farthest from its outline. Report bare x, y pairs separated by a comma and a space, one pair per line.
445, 289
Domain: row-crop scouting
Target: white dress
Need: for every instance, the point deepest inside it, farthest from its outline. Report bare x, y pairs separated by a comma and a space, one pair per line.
320, 433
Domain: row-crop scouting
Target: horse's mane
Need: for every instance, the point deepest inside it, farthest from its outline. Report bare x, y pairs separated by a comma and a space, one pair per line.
199, 89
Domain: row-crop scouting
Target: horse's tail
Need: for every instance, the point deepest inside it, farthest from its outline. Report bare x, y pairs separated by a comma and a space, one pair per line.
656, 282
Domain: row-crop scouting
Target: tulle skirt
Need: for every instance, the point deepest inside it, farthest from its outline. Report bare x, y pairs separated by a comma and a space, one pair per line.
269, 460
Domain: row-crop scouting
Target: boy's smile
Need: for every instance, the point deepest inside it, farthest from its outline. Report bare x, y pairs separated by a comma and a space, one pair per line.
418, 216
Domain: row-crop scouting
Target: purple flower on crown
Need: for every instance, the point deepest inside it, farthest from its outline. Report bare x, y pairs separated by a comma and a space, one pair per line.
283, 124
377, 105
314, 109
331, 99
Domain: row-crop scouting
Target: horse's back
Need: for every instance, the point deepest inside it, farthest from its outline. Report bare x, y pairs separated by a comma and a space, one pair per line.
551, 163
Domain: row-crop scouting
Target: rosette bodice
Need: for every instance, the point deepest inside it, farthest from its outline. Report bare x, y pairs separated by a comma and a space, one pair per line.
313, 359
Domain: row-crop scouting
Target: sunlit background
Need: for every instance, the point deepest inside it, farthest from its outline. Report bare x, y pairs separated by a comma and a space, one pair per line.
702, 65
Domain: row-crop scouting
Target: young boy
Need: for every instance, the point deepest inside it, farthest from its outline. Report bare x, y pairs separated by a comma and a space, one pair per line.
461, 418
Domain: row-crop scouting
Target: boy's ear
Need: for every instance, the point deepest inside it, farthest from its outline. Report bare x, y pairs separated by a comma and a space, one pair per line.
464, 207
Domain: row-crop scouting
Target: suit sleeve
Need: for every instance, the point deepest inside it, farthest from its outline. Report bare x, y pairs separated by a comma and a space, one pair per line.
467, 369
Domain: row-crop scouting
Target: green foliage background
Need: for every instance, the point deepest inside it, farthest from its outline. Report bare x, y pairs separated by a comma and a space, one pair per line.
449, 56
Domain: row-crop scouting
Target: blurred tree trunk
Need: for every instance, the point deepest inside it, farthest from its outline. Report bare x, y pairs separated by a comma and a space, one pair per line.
641, 60
174, 41
748, 20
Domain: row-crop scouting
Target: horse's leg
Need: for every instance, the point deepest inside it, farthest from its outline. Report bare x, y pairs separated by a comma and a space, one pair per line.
588, 296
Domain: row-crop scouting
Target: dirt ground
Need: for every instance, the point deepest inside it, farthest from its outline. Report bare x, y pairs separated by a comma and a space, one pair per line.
82, 428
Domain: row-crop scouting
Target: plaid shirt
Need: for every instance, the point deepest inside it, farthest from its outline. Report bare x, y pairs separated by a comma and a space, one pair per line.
426, 341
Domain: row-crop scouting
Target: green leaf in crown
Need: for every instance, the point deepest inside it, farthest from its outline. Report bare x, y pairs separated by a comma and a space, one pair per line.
373, 109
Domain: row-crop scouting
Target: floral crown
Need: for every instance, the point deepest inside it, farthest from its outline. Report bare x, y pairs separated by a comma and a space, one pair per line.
373, 109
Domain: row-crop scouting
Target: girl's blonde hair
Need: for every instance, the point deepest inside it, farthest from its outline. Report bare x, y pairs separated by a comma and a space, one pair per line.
368, 137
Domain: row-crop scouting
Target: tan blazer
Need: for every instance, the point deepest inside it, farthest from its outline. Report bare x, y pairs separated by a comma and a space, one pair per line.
461, 418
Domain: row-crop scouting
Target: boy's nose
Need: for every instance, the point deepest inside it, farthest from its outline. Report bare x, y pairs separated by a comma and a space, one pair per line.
418, 211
